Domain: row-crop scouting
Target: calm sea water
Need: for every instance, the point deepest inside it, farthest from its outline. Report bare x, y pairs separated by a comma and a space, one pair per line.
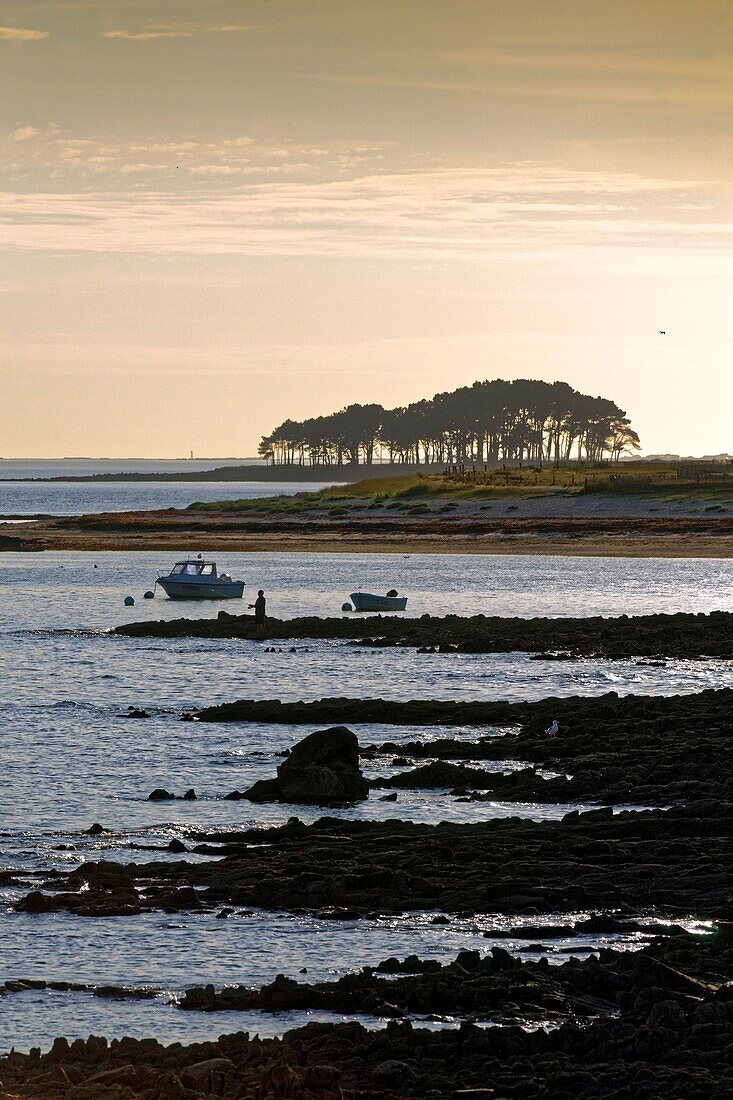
72, 499
70, 757
84, 467
21, 498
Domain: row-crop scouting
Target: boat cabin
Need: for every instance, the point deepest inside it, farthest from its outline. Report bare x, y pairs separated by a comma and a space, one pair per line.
194, 569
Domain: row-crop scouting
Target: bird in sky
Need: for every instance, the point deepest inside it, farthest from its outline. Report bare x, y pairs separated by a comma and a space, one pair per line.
662, 332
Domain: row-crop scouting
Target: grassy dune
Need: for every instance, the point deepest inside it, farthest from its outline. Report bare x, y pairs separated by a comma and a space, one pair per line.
415, 492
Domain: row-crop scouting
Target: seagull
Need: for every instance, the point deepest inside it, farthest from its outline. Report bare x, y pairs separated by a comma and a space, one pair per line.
662, 332
552, 730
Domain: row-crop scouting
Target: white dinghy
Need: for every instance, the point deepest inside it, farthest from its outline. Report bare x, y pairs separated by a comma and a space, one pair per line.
196, 579
367, 601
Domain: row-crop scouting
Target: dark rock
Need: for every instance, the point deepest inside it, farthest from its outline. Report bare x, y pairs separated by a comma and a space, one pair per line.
126, 992
160, 795
190, 795
440, 774
322, 769
339, 914
651, 637
306, 771
264, 790
392, 1071
35, 902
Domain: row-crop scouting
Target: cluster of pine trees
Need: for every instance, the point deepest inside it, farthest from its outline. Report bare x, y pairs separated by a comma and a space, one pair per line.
491, 421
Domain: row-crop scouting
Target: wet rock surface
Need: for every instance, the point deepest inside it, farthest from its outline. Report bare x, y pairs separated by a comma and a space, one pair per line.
110, 992
679, 635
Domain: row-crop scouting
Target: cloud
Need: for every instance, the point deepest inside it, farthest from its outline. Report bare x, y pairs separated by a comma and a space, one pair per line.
509, 214
177, 30
606, 61
146, 36
230, 28
141, 168
581, 78
61, 155
21, 34
214, 170
26, 133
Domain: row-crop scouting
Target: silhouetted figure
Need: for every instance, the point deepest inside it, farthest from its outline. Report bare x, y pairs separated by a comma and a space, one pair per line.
259, 607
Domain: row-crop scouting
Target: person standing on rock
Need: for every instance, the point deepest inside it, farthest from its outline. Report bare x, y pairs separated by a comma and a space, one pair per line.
259, 608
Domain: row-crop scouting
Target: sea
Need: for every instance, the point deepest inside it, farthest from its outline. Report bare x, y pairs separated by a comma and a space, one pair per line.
21, 498
71, 756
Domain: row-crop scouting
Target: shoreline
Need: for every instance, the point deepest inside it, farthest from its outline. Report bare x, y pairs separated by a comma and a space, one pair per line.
243, 473
405, 516
180, 531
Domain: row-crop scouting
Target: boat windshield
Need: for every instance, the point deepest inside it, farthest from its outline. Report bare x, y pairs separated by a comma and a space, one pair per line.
189, 568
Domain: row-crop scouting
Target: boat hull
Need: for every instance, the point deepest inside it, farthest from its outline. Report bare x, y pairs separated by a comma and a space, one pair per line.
202, 590
366, 601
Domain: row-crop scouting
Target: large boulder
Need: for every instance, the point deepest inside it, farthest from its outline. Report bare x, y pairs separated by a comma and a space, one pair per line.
322, 769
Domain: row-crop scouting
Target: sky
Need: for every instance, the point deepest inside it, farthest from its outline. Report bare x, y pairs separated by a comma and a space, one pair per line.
218, 214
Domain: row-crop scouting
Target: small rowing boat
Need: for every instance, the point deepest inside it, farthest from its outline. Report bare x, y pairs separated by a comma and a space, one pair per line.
367, 601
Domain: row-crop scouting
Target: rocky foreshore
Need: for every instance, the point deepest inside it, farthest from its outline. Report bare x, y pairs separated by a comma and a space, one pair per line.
651, 636
672, 753
680, 860
645, 1026
652, 1024
639, 750
500, 987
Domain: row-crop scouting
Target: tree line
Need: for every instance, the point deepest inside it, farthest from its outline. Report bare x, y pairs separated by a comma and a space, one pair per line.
525, 420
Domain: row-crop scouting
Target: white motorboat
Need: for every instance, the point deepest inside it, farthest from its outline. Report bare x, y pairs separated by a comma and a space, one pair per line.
197, 579
367, 601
